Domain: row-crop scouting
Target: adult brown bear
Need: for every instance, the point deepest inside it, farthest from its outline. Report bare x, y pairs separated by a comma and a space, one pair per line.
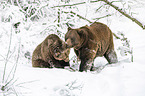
90, 42
52, 52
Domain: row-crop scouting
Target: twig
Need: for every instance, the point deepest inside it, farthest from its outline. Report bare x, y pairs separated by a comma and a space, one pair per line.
2, 57
15, 65
99, 8
21, 8
8, 84
36, 12
12, 2
103, 17
7, 56
15, 91
72, 86
79, 16
74, 4
26, 82
116, 36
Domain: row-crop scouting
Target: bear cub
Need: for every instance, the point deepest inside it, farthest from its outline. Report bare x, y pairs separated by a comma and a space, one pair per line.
52, 52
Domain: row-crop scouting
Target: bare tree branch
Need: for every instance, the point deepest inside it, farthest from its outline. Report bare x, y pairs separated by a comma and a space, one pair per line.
124, 13
41, 7
103, 17
80, 16
7, 57
75, 4
115, 7
116, 36
106, 1
96, 19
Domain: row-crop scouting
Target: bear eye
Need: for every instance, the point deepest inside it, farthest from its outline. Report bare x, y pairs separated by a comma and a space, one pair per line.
57, 54
56, 50
72, 39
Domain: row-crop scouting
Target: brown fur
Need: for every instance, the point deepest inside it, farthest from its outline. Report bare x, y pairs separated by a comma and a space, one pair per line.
52, 52
90, 42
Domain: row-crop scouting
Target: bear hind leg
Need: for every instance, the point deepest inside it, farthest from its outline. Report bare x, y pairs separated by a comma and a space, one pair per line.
111, 57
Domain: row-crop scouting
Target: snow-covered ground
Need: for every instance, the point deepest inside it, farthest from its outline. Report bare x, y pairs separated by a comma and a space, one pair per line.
122, 79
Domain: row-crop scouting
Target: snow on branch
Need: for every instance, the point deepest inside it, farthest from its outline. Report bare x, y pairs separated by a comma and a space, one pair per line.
79, 16
103, 17
110, 4
124, 13
75, 4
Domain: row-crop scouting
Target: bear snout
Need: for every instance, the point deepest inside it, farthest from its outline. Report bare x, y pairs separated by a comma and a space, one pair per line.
68, 43
66, 55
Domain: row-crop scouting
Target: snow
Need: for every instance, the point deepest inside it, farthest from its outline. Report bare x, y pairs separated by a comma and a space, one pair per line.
125, 78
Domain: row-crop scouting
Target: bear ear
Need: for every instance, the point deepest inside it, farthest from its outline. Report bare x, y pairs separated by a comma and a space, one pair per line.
50, 41
69, 28
80, 32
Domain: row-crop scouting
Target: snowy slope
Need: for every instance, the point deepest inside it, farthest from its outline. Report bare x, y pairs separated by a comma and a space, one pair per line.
126, 79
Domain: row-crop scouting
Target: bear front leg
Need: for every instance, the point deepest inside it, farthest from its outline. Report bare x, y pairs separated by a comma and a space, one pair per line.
82, 65
40, 63
87, 56
65, 63
61, 64
111, 57
85, 65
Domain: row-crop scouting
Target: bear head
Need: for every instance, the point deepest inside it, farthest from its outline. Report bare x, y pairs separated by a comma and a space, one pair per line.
75, 38
59, 50
72, 38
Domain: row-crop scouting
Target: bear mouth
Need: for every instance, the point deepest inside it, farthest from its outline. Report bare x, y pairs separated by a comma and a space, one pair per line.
72, 45
66, 59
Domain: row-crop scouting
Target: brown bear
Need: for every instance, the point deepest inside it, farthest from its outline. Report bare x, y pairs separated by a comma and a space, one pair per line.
90, 42
52, 52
